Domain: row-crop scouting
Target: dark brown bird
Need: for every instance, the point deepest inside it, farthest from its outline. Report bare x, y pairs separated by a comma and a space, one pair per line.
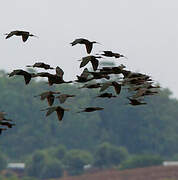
144, 92
111, 54
88, 44
41, 65
106, 95
93, 59
91, 109
112, 70
27, 76
52, 78
59, 72
117, 86
91, 86
135, 102
84, 76
59, 110
49, 95
63, 97
25, 35
99, 75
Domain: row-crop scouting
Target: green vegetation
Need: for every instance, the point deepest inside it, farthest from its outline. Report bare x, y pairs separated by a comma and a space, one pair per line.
104, 138
139, 161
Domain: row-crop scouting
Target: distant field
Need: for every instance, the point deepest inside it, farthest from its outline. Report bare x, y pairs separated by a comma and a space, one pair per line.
150, 173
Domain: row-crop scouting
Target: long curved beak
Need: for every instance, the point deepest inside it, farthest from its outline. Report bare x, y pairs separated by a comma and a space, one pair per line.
35, 36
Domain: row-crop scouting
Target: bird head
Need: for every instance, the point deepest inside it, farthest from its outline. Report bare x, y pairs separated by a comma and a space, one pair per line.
33, 35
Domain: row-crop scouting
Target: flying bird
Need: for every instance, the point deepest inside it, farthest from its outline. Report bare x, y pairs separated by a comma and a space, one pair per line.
88, 44
91, 109
63, 97
106, 95
111, 54
93, 59
84, 76
135, 102
27, 76
117, 86
49, 95
41, 65
59, 110
25, 35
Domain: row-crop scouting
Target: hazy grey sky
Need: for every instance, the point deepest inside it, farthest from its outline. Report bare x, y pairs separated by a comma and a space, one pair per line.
146, 31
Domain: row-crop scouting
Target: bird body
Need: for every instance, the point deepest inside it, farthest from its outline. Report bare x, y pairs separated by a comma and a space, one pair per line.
106, 95
135, 102
88, 44
49, 96
59, 110
93, 59
27, 76
63, 97
41, 65
25, 34
111, 54
91, 109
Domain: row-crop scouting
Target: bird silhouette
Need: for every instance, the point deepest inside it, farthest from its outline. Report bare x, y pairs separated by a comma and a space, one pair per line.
84, 76
117, 86
25, 35
91, 109
106, 95
49, 95
111, 54
59, 110
27, 76
63, 97
93, 59
135, 102
52, 78
91, 86
41, 65
88, 44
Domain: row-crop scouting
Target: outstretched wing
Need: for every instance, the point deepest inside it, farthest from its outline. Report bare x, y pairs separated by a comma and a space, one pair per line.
85, 61
117, 87
95, 64
25, 37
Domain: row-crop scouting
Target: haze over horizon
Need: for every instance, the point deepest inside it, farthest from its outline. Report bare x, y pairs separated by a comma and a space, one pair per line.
144, 31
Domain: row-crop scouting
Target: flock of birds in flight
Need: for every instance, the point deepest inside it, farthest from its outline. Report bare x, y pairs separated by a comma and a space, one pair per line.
140, 84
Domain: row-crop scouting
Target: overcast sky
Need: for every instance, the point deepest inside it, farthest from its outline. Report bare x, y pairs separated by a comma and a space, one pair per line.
146, 31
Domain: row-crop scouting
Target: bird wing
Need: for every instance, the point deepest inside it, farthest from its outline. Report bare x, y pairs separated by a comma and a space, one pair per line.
85, 73
50, 99
89, 47
105, 86
60, 113
51, 110
25, 37
117, 87
62, 98
94, 63
59, 72
27, 78
76, 41
85, 61
11, 34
